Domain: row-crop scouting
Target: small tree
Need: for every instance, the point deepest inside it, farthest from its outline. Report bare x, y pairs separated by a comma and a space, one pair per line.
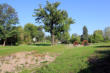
55, 20
74, 38
90, 39
40, 34
107, 33
85, 42
8, 17
75, 43
84, 36
98, 36
33, 32
65, 38
20, 35
30, 32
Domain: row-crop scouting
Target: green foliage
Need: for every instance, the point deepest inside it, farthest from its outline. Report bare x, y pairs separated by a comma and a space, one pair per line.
40, 34
91, 39
31, 31
107, 33
48, 38
20, 35
98, 36
65, 38
84, 36
74, 38
85, 42
55, 20
8, 17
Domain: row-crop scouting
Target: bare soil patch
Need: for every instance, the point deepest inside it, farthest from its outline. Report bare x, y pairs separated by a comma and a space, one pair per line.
18, 61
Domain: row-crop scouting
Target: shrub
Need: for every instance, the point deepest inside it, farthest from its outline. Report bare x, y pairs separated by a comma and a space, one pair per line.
75, 43
85, 42
17, 44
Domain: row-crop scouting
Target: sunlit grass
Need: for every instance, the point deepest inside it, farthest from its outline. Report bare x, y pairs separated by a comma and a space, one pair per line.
70, 60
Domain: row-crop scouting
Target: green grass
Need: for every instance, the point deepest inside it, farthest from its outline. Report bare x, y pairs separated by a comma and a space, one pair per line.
71, 60
39, 49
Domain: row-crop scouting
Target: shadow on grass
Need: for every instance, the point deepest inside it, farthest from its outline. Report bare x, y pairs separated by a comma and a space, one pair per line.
105, 52
97, 65
104, 46
42, 44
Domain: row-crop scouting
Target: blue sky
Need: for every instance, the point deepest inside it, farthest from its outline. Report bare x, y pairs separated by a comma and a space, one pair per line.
95, 14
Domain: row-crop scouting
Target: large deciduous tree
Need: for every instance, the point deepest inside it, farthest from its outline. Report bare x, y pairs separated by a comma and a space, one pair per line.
8, 17
54, 19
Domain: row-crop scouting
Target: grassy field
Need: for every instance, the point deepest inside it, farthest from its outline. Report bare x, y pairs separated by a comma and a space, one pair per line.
70, 60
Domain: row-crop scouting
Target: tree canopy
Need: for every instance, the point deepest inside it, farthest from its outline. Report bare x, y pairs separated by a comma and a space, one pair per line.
84, 36
107, 33
8, 17
74, 38
54, 19
98, 36
33, 32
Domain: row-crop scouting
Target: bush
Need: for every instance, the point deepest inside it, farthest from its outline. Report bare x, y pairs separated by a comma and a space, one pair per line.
75, 43
85, 42
17, 44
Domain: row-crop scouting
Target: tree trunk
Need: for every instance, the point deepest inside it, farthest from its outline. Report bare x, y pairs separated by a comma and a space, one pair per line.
4, 42
52, 38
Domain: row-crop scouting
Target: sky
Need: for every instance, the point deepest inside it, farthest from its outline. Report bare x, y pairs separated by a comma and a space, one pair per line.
94, 14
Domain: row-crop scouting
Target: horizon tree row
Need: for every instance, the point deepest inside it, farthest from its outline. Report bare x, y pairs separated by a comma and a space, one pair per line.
55, 21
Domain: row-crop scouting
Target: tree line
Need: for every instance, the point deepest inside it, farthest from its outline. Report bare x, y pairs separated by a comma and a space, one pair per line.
55, 21
97, 36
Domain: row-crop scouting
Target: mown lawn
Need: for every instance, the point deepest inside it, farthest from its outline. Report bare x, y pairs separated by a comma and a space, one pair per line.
39, 49
70, 60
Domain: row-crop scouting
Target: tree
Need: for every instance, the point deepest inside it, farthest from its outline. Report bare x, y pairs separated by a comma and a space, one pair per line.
74, 38
8, 17
90, 39
48, 38
20, 35
65, 38
27, 38
107, 33
33, 32
84, 36
98, 36
30, 32
40, 33
55, 20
